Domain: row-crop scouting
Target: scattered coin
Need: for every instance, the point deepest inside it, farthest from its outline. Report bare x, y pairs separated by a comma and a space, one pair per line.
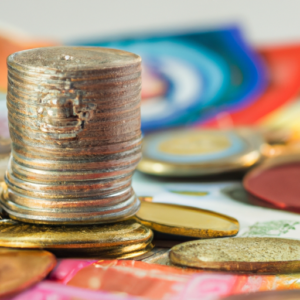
20, 269
247, 255
276, 183
123, 239
186, 221
199, 152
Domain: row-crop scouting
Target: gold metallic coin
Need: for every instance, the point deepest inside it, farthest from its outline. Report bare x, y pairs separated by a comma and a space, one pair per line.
270, 295
113, 240
192, 152
246, 255
186, 221
20, 269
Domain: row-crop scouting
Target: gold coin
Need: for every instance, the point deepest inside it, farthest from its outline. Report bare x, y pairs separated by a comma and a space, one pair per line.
195, 142
192, 152
93, 240
246, 255
186, 221
20, 269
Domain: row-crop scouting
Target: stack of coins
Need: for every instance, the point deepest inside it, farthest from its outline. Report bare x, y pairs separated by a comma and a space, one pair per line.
74, 120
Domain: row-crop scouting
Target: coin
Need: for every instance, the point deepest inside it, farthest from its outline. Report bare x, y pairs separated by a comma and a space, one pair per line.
20, 269
276, 183
111, 240
270, 295
186, 221
74, 119
253, 255
199, 152
5, 149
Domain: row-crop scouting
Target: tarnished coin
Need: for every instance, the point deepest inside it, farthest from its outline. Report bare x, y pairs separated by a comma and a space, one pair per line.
111, 240
270, 295
186, 221
254, 255
74, 120
20, 269
199, 152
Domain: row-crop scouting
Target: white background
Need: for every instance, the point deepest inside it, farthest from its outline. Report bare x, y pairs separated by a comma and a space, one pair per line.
263, 21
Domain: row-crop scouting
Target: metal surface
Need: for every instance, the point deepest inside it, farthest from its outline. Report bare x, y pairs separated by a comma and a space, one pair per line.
275, 183
186, 221
200, 152
19, 269
122, 239
246, 255
74, 119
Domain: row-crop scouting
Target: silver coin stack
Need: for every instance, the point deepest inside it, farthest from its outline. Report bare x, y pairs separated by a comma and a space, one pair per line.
74, 120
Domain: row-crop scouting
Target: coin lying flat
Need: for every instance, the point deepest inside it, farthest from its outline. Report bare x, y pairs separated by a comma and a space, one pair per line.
111, 240
199, 152
254, 255
270, 295
20, 269
186, 221
275, 183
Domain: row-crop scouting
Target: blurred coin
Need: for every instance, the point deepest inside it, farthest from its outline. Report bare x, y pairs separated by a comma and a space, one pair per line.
200, 152
270, 295
276, 182
5, 149
186, 221
246, 255
112, 240
20, 269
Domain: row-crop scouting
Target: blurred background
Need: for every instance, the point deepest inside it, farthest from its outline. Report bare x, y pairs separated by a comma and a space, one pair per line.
214, 64
263, 21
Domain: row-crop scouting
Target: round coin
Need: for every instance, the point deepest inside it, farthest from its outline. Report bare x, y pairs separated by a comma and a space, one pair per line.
199, 152
186, 221
113, 240
74, 120
20, 269
246, 255
276, 183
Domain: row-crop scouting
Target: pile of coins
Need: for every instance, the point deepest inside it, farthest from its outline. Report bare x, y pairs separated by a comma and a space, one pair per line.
74, 120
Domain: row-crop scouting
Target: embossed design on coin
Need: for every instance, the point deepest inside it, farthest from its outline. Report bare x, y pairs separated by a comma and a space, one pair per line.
62, 115
254, 255
74, 119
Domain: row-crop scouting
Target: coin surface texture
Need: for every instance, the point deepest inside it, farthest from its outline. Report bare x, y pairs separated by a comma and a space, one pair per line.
186, 221
20, 269
254, 255
111, 240
74, 120
192, 152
